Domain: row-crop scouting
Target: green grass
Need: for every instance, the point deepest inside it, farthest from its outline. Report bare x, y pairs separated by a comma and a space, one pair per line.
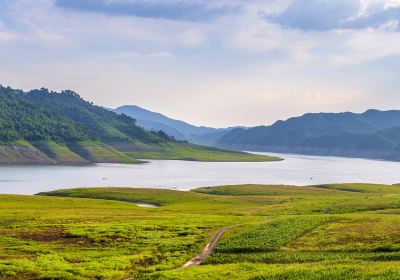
158, 197
263, 190
175, 201
369, 233
363, 188
59, 153
347, 231
96, 151
22, 143
309, 271
272, 235
200, 153
50, 152
73, 238
22, 152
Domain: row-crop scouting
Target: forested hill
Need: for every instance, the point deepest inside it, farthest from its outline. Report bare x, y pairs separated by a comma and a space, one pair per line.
372, 134
47, 127
40, 115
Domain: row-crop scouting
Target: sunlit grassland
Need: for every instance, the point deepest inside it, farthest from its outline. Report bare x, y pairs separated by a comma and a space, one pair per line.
59, 153
200, 153
75, 238
96, 151
347, 231
313, 271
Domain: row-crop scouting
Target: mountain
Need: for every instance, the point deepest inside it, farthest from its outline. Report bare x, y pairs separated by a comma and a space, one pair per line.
178, 129
44, 127
373, 134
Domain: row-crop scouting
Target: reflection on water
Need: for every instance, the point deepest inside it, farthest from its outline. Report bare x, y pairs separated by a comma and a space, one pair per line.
184, 175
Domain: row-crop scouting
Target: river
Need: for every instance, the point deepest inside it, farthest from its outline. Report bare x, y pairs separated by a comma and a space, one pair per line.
185, 175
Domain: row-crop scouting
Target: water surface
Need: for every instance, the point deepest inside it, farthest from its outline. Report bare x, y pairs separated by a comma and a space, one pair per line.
185, 175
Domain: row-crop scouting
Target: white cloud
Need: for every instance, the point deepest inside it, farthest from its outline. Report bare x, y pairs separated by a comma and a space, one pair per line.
50, 37
192, 37
338, 47
365, 45
6, 37
254, 34
323, 15
391, 4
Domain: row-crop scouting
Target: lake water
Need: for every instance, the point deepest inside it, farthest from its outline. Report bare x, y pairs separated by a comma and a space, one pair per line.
184, 175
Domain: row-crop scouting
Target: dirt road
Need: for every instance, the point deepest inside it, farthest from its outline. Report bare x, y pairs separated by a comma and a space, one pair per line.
208, 249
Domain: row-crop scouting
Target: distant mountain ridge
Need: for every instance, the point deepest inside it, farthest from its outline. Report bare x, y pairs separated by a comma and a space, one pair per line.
176, 128
372, 134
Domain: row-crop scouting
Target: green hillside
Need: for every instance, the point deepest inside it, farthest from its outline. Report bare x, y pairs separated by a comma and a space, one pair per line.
44, 127
373, 134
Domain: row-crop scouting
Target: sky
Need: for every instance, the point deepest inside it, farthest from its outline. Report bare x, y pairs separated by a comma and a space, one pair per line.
209, 62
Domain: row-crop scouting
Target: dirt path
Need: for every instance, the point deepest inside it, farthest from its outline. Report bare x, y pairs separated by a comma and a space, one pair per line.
208, 249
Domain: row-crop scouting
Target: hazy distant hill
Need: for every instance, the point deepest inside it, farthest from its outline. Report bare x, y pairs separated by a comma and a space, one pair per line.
373, 134
176, 128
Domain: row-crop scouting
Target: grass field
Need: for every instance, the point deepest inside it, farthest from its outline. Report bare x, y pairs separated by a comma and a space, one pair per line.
96, 151
199, 153
85, 152
59, 153
347, 231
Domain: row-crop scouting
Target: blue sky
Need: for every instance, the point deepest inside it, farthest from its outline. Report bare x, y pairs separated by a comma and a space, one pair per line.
209, 62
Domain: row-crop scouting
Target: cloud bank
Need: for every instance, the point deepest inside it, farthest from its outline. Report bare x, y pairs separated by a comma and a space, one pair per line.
322, 15
172, 9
